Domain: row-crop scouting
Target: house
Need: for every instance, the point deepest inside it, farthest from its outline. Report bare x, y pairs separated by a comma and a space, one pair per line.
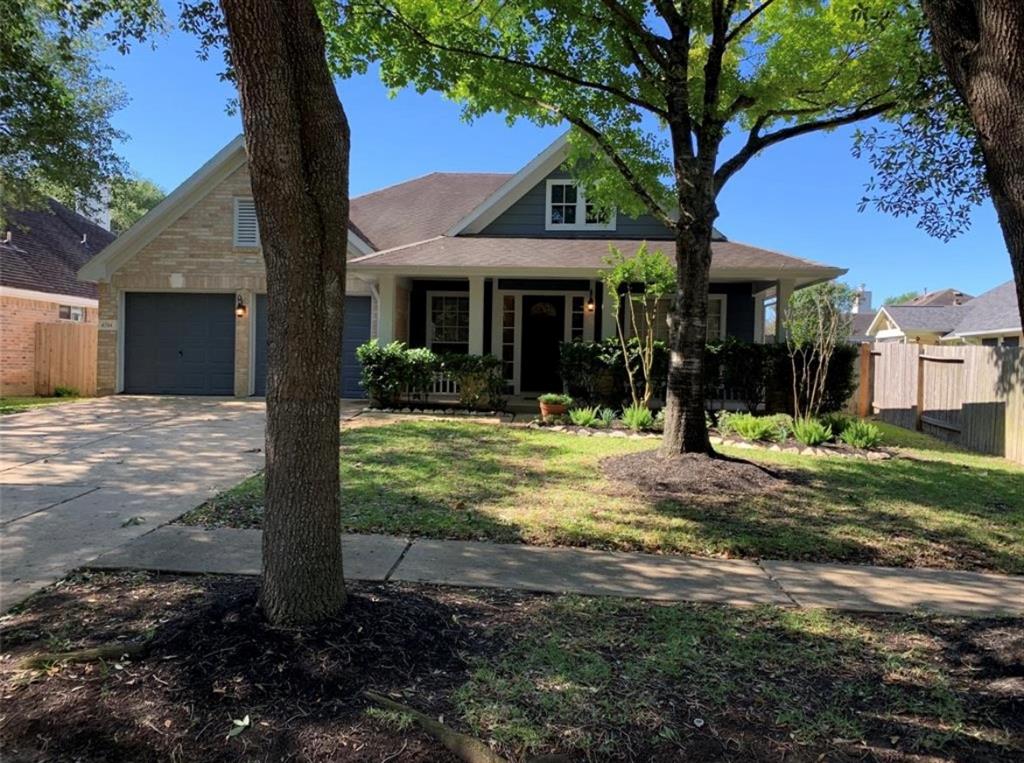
861, 316
990, 319
460, 262
40, 254
940, 298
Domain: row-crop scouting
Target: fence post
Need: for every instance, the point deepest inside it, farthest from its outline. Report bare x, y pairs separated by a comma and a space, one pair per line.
919, 408
864, 399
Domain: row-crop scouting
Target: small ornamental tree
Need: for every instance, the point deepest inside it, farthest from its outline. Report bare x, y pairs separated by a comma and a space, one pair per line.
817, 320
646, 278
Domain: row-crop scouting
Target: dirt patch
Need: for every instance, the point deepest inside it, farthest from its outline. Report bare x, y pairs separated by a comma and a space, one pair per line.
684, 476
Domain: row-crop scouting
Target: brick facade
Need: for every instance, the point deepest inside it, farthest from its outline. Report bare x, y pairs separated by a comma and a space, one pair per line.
194, 253
18, 319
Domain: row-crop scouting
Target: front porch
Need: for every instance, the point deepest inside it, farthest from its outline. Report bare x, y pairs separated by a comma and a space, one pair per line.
524, 320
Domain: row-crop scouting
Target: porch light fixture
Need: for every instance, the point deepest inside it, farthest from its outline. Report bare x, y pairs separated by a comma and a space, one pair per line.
590, 302
240, 307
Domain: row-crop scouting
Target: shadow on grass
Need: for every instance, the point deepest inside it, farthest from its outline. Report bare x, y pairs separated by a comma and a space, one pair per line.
601, 678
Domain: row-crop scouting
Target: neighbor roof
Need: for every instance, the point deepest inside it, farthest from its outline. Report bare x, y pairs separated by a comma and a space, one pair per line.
511, 253
47, 247
995, 310
910, 318
422, 208
940, 298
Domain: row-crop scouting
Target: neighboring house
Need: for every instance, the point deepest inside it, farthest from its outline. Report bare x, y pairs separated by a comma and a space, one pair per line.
990, 319
940, 298
460, 262
861, 316
40, 254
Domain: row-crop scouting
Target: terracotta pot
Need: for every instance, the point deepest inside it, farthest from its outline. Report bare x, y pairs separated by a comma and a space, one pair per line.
552, 409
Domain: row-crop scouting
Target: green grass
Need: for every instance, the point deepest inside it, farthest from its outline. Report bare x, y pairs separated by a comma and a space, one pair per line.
934, 506
611, 678
21, 404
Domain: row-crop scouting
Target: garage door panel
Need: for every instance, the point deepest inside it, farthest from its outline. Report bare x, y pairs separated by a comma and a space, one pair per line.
179, 343
356, 332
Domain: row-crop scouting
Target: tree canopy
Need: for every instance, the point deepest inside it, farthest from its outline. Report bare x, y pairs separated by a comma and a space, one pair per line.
56, 137
130, 199
899, 299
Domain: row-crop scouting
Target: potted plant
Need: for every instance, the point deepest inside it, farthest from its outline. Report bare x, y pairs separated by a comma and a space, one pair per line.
553, 404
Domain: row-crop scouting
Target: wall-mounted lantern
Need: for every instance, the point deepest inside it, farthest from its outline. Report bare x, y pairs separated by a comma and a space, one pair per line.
590, 302
240, 307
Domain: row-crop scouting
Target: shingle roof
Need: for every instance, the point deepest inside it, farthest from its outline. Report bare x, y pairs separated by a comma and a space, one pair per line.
568, 253
859, 325
940, 298
995, 310
422, 208
925, 318
46, 250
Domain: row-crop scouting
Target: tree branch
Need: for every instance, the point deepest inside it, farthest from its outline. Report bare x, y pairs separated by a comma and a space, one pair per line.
757, 142
624, 169
550, 71
654, 43
746, 21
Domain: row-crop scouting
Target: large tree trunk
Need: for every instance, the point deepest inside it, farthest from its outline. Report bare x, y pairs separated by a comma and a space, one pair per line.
686, 430
981, 43
298, 144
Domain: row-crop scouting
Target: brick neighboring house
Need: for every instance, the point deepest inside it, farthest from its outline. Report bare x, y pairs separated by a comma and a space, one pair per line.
506, 264
40, 254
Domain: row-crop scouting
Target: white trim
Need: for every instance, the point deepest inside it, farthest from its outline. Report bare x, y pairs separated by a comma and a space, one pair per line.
872, 330
121, 319
985, 333
360, 245
177, 203
46, 296
723, 314
71, 313
254, 298
581, 223
428, 338
514, 188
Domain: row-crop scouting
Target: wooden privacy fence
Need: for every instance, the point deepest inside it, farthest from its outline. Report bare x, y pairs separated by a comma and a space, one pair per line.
967, 394
66, 357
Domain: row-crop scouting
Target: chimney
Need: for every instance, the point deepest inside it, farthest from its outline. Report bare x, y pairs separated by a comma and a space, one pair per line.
861, 301
97, 210
958, 297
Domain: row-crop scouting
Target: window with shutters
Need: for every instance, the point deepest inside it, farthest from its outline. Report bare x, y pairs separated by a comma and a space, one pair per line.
247, 232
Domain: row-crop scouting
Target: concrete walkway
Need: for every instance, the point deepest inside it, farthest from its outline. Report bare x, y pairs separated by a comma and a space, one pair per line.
79, 479
563, 570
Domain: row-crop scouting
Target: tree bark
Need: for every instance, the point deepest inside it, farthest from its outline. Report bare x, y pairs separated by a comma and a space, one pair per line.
297, 139
686, 430
981, 44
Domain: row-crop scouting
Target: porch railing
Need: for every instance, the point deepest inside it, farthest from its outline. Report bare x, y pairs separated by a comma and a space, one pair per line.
444, 385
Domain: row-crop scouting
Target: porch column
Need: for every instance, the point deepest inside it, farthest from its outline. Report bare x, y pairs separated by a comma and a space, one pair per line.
476, 315
783, 291
608, 328
386, 308
759, 318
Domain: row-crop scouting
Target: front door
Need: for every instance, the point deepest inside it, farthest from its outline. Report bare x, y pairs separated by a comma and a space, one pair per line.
543, 334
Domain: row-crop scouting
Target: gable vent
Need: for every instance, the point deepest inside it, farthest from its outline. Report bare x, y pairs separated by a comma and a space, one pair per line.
247, 231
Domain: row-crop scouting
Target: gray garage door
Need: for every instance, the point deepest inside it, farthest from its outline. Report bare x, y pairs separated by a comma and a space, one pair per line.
357, 331
179, 344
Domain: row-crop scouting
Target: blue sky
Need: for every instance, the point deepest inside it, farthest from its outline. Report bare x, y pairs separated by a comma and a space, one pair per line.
799, 197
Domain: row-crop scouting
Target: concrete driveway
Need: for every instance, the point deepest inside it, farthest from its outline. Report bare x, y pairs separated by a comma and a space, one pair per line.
77, 480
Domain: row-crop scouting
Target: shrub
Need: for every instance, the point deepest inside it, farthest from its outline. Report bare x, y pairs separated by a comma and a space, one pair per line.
418, 375
583, 369
478, 377
584, 417
607, 416
756, 428
62, 391
837, 421
861, 434
384, 370
555, 398
811, 431
637, 417
659, 421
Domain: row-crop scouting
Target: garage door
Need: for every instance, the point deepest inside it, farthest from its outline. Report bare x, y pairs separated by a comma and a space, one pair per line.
357, 332
179, 344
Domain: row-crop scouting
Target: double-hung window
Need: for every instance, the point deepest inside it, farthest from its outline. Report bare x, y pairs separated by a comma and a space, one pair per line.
567, 209
448, 323
71, 313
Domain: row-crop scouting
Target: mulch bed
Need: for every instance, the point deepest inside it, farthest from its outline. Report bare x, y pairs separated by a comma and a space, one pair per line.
685, 475
213, 660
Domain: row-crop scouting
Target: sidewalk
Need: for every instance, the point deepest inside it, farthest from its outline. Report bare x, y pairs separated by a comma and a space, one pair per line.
381, 558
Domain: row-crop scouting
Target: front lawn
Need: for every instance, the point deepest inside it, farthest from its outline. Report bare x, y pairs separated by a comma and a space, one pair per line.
21, 404
933, 506
590, 679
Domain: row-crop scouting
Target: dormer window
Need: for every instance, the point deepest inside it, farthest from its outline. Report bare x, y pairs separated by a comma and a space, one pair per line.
247, 233
567, 209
